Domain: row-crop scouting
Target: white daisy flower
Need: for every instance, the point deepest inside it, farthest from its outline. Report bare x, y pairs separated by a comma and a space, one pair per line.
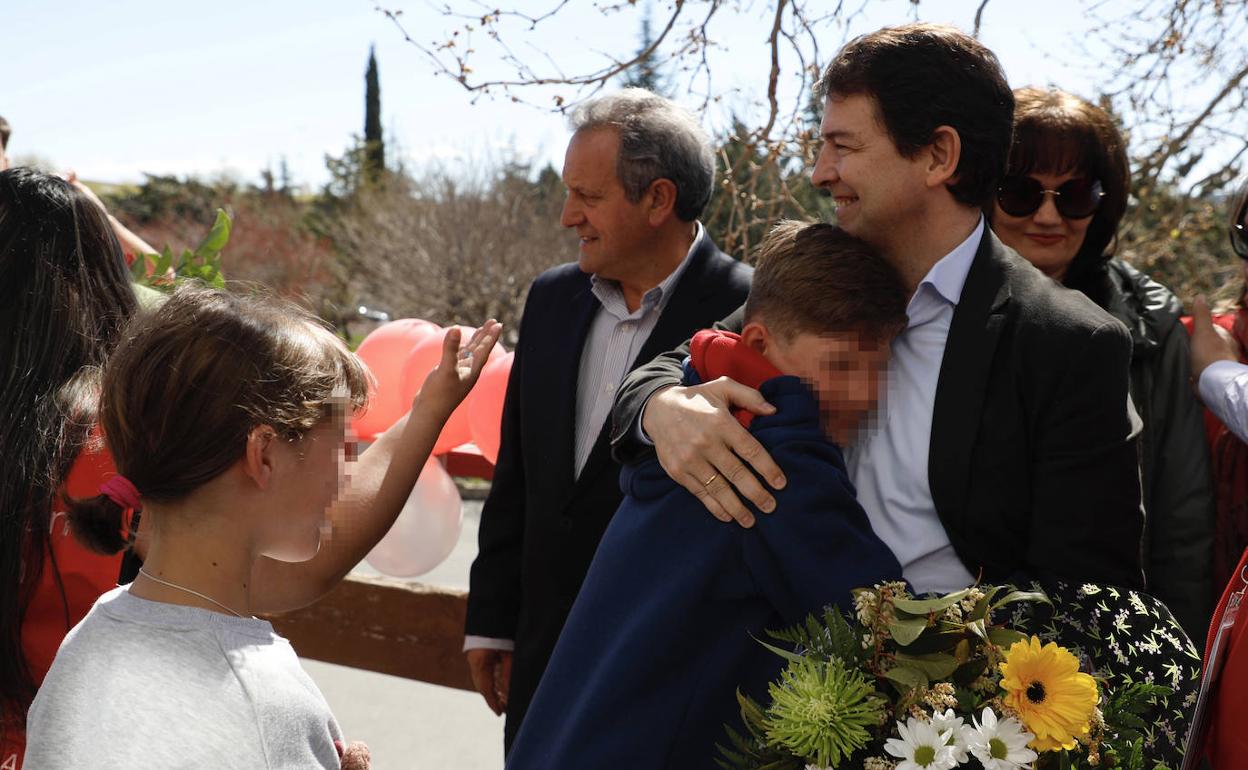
957, 728
1000, 745
921, 747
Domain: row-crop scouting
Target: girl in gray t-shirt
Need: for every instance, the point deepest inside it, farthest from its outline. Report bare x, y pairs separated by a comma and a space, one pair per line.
226, 418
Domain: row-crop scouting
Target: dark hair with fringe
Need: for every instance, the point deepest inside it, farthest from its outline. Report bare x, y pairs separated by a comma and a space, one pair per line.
922, 77
818, 278
1056, 133
190, 381
65, 295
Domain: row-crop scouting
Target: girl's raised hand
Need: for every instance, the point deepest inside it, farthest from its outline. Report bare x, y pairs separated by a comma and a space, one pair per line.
461, 365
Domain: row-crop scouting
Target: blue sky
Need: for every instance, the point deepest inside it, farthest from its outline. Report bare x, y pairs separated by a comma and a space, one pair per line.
167, 86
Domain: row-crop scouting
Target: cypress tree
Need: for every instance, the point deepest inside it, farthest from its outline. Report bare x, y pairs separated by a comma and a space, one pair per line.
374, 147
646, 72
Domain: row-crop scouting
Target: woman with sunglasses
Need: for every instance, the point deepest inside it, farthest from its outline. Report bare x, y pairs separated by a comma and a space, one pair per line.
1059, 207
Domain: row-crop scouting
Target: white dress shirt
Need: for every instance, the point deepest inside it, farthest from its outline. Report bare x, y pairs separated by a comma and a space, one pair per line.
1224, 389
615, 338
888, 464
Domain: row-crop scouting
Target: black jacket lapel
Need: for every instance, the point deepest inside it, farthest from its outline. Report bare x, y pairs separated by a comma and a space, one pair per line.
962, 385
559, 398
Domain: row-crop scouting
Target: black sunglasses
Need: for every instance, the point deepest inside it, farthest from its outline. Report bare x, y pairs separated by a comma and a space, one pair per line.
1021, 196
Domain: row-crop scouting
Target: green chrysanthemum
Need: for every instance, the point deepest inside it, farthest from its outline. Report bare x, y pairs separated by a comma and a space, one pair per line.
821, 711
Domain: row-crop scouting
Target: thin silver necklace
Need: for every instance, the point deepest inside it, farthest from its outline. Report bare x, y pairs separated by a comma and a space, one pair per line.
150, 576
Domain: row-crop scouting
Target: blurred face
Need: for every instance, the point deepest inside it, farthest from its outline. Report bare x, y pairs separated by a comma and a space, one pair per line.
874, 187
613, 232
1045, 238
313, 471
843, 369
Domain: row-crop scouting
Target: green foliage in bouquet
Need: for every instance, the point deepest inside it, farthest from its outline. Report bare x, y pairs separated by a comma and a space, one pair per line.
907, 683
164, 271
822, 710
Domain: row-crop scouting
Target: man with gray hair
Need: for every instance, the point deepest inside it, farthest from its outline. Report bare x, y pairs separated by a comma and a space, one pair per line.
639, 170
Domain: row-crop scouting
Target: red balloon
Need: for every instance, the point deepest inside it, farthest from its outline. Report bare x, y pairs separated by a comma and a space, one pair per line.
485, 414
420, 361
385, 351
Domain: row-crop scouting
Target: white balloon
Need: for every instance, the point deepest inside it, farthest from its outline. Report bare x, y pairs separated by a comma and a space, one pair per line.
426, 530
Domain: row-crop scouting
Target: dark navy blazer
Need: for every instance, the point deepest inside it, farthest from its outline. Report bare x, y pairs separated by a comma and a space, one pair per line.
666, 625
542, 521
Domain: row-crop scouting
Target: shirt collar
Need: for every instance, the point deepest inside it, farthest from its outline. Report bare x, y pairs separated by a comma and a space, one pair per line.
948, 276
609, 295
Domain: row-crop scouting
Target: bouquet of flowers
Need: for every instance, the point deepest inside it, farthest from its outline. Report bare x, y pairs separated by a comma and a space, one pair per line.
908, 683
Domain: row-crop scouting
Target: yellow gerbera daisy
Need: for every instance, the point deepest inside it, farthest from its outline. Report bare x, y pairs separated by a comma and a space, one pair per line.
1044, 686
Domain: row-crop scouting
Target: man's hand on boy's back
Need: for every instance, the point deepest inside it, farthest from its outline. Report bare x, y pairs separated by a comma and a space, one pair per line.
706, 450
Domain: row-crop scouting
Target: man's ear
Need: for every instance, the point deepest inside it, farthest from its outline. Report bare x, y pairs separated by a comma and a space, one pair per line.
660, 200
757, 336
943, 153
259, 455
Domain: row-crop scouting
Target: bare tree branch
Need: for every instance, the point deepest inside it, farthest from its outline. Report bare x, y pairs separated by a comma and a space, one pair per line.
774, 76
979, 17
1153, 165
462, 72
1174, 71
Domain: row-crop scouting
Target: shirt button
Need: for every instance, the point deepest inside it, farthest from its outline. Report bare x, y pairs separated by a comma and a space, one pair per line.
609, 387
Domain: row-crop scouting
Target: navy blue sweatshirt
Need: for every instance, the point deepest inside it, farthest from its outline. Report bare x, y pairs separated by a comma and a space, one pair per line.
666, 625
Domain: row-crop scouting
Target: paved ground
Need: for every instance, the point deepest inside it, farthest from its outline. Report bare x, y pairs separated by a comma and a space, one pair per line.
410, 724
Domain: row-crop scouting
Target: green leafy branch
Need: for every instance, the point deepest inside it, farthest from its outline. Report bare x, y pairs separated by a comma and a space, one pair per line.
164, 271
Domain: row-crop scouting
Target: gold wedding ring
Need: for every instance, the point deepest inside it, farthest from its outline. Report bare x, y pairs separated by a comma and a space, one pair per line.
707, 483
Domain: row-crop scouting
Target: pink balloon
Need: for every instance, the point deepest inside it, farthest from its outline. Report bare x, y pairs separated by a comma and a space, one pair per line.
385, 351
426, 530
485, 414
420, 361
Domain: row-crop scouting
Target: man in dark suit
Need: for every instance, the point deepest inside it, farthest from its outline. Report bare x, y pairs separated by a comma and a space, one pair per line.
639, 170
1007, 446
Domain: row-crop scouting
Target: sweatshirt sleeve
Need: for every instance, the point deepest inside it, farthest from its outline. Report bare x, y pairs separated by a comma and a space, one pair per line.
1224, 389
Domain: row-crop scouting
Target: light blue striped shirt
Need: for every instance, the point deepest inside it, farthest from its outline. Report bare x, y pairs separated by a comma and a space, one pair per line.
615, 337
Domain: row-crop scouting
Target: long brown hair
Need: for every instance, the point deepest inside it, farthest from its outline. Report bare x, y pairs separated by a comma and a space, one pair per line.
64, 297
190, 381
1056, 132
